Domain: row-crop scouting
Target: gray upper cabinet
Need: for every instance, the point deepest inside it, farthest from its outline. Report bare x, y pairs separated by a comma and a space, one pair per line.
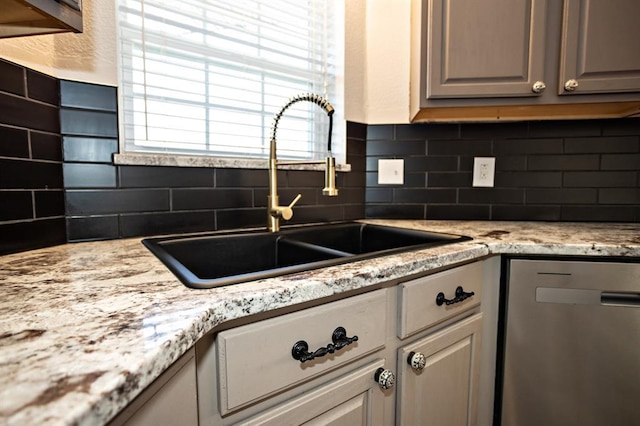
485, 48
34, 17
524, 59
600, 47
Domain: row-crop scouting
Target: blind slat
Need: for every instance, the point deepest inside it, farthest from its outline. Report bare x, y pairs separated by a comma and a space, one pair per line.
206, 78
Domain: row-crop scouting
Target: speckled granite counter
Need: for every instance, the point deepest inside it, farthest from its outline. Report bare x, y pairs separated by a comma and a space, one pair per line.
85, 327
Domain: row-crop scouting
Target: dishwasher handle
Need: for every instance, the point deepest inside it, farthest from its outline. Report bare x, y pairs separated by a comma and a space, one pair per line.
620, 298
575, 296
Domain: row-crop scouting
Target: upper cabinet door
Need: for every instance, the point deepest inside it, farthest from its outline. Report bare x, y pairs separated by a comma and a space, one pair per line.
600, 47
489, 48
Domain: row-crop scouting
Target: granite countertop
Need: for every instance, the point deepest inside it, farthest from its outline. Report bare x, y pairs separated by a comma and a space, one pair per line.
85, 327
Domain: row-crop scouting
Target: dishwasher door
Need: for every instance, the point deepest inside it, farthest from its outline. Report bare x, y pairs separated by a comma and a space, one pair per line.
572, 344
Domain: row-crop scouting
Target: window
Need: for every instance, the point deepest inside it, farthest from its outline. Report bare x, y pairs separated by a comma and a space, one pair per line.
206, 77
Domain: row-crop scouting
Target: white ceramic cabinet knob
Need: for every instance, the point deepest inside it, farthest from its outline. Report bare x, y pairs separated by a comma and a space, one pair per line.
417, 360
385, 378
571, 85
538, 87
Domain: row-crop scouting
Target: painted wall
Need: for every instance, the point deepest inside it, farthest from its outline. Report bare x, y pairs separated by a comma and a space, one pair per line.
89, 57
376, 55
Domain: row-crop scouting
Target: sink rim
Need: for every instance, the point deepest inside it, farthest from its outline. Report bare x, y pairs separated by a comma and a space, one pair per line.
189, 279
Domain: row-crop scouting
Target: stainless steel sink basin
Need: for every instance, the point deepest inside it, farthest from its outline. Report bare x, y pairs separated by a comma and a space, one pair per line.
218, 259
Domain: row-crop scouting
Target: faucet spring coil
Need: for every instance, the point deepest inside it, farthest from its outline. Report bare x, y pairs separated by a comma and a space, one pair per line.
309, 97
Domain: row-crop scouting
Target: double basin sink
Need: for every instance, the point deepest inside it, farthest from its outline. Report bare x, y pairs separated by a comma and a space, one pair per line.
218, 259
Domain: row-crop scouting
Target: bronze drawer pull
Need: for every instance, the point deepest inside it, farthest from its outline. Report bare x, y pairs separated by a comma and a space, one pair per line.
300, 350
459, 297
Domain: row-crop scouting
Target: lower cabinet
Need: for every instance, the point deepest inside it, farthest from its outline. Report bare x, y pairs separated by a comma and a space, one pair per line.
314, 366
251, 375
438, 376
407, 353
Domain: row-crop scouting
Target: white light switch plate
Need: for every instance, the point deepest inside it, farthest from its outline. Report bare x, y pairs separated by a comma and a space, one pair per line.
390, 172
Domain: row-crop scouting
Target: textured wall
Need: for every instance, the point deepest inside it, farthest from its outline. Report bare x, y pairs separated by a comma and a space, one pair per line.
552, 171
31, 188
90, 56
376, 35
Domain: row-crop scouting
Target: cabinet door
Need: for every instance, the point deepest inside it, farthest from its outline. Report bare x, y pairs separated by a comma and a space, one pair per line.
352, 400
489, 48
600, 50
444, 393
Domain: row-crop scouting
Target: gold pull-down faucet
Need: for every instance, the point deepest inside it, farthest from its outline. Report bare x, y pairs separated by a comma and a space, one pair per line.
275, 211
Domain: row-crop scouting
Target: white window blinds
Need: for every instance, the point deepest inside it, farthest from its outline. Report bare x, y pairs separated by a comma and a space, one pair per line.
206, 77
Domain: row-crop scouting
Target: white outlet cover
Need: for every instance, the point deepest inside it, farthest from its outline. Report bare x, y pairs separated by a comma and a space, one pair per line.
390, 172
484, 171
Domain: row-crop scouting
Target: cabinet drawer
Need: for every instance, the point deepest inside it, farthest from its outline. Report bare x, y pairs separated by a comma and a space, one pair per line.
418, 307
256, 360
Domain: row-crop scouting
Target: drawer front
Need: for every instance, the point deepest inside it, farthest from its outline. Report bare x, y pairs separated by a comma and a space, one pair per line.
255, 361
418, 306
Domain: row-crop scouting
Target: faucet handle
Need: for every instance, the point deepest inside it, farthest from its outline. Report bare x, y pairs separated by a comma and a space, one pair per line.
287, 212
295, 200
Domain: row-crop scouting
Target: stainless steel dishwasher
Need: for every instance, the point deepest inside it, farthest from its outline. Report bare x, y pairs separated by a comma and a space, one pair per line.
572, 344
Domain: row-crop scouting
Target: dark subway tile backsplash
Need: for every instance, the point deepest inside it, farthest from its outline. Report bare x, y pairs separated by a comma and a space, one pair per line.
243, 178
27, 174
527, 146
241, 218
458, 212
158, 223
599, 179
545, 170
28, 114
601, 145
46, 146
600, 213
16, 205
14, 142
80, 175
93, 228
105, 201
549, 171
31, 184
43, 88
29, 235
88, 96
211, 198
79, 122
13, 78
101, 202
87, 149
620, 161
170, 177
49, 204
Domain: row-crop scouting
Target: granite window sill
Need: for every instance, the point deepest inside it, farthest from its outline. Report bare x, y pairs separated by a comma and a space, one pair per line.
173, 160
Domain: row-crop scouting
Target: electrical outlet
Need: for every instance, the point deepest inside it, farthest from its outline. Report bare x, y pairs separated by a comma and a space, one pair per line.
484, 171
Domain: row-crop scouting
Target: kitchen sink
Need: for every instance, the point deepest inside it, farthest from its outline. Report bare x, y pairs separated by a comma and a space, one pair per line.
218, 259
360, 238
